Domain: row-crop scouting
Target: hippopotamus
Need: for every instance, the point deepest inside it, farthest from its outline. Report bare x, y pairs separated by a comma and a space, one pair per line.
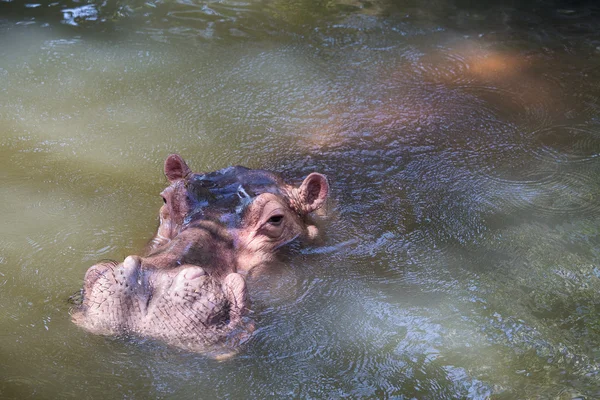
188, 289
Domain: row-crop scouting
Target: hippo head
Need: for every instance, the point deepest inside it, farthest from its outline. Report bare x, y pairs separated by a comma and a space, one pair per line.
187, 290
259, 210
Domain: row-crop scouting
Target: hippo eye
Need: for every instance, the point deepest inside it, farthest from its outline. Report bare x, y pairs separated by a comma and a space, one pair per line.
275, 220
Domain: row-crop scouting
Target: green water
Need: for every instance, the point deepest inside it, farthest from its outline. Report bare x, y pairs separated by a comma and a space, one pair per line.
462, 141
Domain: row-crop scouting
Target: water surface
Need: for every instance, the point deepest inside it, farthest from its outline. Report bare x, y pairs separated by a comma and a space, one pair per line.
462, 143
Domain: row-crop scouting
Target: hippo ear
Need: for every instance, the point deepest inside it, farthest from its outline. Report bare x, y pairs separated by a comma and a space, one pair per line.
176, 168
313, 192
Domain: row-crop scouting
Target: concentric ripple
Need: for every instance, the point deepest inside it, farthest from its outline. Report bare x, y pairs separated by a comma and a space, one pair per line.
564, 194
574, 194
567, 144
539, 178
510, 164
443, 67
508, 105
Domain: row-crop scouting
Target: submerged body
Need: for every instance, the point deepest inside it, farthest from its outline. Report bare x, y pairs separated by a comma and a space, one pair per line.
188, 290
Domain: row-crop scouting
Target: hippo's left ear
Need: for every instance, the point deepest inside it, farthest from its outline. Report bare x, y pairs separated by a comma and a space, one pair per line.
313, 192
176, 168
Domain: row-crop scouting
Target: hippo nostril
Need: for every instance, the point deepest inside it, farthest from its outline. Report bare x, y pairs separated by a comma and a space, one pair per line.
313, 232
132, 262
193, 273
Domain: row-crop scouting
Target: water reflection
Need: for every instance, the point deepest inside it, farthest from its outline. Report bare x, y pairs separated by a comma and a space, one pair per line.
461, 143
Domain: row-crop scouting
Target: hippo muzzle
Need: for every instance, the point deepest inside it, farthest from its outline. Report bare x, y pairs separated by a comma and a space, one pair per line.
183, 306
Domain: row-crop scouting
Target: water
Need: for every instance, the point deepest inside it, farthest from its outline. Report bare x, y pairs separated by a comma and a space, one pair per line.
462, 143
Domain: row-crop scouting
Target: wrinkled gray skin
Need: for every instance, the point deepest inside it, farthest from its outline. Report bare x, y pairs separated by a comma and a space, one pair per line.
188, 290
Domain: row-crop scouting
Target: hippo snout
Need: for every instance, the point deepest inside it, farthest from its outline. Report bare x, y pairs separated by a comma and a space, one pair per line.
183, 305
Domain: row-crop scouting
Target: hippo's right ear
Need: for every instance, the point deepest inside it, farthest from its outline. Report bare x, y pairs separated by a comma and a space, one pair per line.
313, 192
176, 168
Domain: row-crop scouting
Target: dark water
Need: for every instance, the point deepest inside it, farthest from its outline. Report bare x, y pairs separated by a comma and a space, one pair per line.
462, 141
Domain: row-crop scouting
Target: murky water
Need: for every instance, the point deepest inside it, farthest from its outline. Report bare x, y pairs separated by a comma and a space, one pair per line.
462, 257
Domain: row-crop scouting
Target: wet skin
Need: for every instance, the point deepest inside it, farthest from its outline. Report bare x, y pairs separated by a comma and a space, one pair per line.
183, 306
188, 289
258, 208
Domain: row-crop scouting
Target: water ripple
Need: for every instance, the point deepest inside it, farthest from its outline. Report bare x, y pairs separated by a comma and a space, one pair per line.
563, 194
509, 164
508, 105
443, 67
567, 143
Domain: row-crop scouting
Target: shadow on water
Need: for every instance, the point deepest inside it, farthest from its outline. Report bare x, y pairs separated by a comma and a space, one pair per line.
461, 140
